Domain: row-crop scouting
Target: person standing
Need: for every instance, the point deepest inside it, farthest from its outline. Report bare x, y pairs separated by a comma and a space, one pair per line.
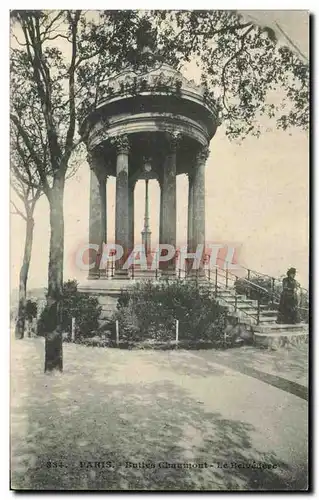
288, 305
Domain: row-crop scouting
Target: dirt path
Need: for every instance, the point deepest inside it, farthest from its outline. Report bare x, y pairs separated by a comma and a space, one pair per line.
144, 415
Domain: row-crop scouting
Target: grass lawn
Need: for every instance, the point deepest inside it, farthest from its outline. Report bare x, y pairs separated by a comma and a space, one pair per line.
145, 408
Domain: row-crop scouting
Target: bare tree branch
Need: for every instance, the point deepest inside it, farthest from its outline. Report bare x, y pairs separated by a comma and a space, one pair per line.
50, 25
17, 211
35, 158
72, 121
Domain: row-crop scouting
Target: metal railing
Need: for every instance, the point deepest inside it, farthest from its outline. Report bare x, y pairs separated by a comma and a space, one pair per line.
225, 280
251, 273
222, 279
230, 277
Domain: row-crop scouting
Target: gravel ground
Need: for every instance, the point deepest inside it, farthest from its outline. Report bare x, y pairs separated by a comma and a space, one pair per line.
153, 420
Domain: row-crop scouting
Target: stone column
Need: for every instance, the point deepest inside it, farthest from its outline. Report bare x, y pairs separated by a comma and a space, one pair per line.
122, 203
97, 217
190, 217
103, 195
168, 199
190, 213
103, 184
198, 230
146, 233
160, 239
131, 189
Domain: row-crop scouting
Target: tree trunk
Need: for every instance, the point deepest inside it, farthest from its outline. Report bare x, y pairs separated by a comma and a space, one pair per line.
24, 271
53, 339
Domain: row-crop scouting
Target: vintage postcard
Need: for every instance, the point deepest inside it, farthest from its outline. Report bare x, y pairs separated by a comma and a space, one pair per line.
159, 167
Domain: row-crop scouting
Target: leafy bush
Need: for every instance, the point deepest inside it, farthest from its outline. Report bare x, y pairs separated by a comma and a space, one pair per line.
84, 308
263, 289
148, 311
304, 306
95, 341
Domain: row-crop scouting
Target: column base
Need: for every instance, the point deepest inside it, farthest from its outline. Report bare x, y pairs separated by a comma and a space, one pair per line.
121, 274
93, 276
104, 276
196, 274
168, 274
144, 274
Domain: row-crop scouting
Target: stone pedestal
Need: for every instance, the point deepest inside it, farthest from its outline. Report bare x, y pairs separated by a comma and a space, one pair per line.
108, 293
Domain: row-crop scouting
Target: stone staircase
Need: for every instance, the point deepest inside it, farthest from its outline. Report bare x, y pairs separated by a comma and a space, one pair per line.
264, 330
246, 319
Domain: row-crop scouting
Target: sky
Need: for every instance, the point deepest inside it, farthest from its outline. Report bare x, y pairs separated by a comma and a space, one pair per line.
257, 198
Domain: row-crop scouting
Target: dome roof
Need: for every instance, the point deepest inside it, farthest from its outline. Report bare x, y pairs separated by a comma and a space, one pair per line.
150, 98
159, 78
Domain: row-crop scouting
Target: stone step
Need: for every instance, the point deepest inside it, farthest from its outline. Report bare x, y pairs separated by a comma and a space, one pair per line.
139, 274
223, 293
240, 299
269, 312
240, 302
281, 338
250, 316
245, 318
241, 306
281, 328
251, 312
267, 319
249, 309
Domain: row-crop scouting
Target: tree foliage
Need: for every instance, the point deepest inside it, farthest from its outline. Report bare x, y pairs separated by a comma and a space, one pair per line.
242, 66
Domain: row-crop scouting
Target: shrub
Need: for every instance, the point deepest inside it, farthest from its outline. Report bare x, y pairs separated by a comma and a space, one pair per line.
263, 290
84, 308
31, 310
95, 341
304, 306
148, 311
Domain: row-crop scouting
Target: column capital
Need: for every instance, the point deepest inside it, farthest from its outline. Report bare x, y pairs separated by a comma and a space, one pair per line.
202, 154
173, 139
121, 143
96, 165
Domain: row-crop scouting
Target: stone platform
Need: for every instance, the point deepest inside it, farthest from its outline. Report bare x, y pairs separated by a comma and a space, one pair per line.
278, 335
108, 292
